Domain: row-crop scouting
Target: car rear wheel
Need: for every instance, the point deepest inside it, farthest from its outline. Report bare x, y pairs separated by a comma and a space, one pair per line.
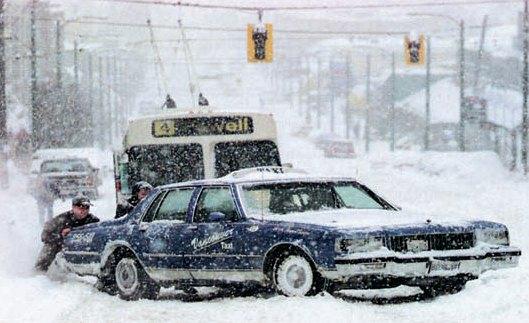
132, 281
295, 276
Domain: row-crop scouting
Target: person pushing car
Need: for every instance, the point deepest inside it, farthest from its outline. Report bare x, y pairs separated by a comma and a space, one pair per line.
59, 227
140, 190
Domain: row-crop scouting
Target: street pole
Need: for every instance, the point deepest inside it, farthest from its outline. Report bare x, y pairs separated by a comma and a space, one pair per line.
347, 98
3, 103
91, 97
525, 81
76, 65
368, 103
331, 91
36, 136
4, 179
308, 111
110, 108
392, 112
462, 115
103, 113
427, 112
58, 50
318, 110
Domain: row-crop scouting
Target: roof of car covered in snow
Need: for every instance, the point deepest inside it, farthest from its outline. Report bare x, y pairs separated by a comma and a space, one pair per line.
270, 174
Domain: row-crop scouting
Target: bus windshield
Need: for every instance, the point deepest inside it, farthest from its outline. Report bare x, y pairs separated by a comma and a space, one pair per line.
232, 156
164, 164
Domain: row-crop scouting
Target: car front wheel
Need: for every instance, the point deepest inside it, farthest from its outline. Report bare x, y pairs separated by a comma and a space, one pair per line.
294, 276
132, 282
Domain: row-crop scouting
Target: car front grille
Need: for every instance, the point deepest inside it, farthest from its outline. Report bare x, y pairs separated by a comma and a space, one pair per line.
435, 241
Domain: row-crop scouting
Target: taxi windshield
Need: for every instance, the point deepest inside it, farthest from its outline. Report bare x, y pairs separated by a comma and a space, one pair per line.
283, 198
65, 165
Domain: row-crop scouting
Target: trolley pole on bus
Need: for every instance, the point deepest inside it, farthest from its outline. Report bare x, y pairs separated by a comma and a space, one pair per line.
525, 85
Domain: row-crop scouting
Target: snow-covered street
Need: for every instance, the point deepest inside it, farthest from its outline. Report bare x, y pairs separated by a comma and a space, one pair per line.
473, 185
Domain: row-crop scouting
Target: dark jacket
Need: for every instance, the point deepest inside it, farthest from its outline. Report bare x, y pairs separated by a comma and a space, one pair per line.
51, 234
126, 206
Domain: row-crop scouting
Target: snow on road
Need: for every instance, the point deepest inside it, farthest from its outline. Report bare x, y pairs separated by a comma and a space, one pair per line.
472, 185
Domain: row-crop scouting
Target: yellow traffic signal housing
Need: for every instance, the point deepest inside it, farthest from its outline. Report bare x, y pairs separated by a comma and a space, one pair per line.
414, 51
259, 43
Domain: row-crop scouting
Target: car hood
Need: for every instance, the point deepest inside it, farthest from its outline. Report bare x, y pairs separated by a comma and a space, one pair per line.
371, 220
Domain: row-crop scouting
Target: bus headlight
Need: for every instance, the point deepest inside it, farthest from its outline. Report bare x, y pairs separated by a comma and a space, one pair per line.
358, 245
493, 236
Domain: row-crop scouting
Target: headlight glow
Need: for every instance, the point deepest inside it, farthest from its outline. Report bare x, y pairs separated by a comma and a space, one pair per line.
358, 245
493, 236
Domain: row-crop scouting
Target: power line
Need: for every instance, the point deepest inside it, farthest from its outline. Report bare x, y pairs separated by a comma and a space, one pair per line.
324, 7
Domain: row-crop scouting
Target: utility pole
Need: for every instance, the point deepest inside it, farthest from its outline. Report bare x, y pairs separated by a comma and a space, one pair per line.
110, 108
117, 108
3, 103
427, 108
368, 103
76, 65
480, 56
392, 108
4, 179
331, 92
308, 104
103, 115
36, 136
525, 81
58, 50
91, 97
347, 98
462, 115
318, 109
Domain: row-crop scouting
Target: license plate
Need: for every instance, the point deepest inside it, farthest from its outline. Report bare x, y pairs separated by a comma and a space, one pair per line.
443, 266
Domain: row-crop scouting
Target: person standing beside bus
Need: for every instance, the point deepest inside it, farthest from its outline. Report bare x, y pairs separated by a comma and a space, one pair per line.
139, 191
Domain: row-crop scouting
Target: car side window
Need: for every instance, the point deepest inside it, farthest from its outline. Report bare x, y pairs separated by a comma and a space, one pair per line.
356, 198
174, 206
215, 199
149, 215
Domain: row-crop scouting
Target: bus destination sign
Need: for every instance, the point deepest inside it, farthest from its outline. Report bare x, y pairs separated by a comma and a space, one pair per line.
202, 126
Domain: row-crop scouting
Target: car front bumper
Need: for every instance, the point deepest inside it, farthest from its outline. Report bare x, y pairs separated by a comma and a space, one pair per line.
424, 265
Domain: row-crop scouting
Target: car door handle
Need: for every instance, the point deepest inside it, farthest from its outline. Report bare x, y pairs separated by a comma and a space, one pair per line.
192, 227
143, 227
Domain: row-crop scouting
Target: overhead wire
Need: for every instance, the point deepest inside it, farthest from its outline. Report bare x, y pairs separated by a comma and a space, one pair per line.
321, 7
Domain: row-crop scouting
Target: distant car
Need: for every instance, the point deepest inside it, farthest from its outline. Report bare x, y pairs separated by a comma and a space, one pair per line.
71, 176
300, 234
339, 149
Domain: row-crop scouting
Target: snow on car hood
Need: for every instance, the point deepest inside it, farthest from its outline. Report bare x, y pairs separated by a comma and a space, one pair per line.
356, 218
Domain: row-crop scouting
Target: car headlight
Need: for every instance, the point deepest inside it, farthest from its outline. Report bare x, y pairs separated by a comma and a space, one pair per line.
358, 245
493, 236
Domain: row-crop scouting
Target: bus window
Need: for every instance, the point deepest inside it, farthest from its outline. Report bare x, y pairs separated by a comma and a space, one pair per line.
231, 156
164, 164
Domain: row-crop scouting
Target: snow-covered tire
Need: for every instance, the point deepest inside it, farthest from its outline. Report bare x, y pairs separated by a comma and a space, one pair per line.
295, 276
132, 282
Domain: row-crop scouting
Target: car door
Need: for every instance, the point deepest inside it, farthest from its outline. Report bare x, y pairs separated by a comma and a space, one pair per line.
160, 231
216, 245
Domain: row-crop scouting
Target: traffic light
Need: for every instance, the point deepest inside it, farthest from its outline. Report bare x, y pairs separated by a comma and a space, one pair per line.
259, 43
414, 51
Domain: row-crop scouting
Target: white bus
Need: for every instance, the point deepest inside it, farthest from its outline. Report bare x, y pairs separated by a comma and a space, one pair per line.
176, 147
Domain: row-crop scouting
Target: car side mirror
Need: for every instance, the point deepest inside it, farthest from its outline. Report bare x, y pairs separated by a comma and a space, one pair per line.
216, 217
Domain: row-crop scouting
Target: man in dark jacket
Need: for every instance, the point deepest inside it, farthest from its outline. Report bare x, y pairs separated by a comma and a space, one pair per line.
59, 227
139, 191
